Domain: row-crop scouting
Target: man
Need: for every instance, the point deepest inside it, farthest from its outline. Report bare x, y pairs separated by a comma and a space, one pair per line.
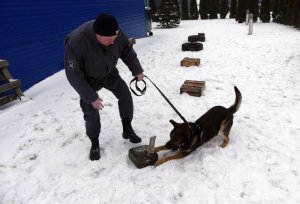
91, 54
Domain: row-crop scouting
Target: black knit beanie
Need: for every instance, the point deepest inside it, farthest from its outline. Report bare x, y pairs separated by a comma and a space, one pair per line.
106, 25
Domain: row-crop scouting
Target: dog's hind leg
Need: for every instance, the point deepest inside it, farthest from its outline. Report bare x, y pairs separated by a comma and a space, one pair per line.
226, 125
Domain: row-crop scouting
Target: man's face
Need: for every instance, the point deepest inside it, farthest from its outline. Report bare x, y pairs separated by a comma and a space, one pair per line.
106, 40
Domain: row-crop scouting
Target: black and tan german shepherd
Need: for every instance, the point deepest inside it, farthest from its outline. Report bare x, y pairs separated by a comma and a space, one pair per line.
186, 137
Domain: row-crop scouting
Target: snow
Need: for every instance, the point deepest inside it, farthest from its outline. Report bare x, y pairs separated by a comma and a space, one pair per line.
44, 149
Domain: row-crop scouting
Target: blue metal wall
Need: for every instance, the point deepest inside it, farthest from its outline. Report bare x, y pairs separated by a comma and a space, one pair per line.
32, 31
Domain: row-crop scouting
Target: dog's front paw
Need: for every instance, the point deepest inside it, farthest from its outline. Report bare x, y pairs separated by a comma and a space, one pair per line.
158, 149
223, 145
158, 162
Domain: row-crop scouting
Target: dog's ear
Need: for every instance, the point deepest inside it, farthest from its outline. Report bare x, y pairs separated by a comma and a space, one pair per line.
173, 123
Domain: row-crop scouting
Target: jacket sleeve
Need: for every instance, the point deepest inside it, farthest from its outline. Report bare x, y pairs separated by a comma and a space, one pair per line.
128, 55
73, 64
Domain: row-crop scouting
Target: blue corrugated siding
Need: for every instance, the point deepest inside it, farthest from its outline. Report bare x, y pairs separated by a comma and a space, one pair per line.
32, 32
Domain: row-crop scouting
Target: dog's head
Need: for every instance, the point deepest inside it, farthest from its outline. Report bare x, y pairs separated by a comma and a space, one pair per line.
180, 136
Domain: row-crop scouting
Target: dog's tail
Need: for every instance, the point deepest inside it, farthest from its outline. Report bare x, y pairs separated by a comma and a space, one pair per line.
238, 100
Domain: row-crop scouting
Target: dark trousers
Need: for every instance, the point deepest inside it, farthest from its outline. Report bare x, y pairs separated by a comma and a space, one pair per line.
91, 115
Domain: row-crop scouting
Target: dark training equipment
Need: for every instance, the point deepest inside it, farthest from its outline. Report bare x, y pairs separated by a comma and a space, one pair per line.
192, 46
201, 37
140, 157
194, 38
144, 155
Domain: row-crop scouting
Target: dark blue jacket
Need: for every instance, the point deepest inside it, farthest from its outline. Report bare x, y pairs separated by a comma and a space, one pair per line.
90, 65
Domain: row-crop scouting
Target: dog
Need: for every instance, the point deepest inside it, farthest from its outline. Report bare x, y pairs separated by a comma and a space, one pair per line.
187, 137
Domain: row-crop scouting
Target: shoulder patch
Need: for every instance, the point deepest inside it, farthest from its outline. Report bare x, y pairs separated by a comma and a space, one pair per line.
71, 64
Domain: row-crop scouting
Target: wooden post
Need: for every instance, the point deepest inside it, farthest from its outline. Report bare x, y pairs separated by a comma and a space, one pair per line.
151, 145
250, 24
247, 17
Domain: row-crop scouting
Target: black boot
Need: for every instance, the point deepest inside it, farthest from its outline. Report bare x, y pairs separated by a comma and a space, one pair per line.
128, 132
95, 149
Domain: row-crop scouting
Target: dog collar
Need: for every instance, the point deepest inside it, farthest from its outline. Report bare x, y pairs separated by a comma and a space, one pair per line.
197, 131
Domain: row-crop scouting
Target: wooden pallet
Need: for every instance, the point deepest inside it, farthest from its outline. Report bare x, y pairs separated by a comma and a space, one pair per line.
192, 88
187, 62
8, 83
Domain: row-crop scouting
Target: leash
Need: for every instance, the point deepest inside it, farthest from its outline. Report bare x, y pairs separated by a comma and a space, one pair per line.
143, 91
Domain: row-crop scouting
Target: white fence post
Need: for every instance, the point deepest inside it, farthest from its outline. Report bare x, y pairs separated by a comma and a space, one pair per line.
250, 24
247, 17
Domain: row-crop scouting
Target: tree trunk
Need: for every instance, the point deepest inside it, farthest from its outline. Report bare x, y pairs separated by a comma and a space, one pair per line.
203, 9
223, 8
193, 10
241, 11
184, 10
233, 8
265, 11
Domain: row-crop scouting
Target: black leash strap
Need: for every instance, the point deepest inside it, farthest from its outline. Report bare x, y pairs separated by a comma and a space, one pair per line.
142, 91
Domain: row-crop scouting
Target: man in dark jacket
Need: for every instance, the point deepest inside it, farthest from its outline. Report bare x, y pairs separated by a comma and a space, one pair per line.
91, 53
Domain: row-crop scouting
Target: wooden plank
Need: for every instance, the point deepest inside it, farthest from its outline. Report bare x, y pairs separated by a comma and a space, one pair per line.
194, 94
10, 85
7, 99
194, 60
151, 145
2, 78
19, 91
190, 92
190, 88
3, 64
193, 82
6, 73
193, 89
196, 91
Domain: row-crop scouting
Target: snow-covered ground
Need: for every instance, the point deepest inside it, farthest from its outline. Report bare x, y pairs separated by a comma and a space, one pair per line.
44, 149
